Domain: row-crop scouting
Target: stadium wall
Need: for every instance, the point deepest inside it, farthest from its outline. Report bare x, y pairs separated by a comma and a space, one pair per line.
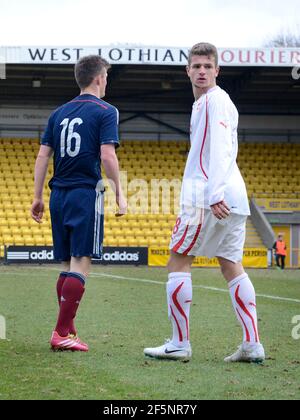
152, 256
30, 122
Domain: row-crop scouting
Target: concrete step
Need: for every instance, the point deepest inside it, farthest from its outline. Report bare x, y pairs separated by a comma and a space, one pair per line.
253, 240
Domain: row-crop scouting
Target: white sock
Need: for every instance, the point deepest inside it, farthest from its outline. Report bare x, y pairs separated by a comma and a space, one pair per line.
179, 295
244, 303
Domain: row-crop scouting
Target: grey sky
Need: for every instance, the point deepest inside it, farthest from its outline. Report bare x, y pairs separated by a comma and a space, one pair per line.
227, 23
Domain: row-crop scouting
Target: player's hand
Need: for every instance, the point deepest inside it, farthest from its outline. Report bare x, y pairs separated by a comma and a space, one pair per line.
220, 210
122, 204
37, 210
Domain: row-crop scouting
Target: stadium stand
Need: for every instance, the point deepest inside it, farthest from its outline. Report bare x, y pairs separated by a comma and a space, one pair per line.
269, 173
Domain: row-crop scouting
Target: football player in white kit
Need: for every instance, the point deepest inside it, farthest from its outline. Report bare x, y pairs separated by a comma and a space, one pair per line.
214, 210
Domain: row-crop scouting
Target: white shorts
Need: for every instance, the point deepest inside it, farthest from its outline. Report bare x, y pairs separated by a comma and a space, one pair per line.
209, 236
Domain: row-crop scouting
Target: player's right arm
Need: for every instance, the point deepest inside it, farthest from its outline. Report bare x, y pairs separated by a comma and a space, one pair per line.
40, 172
111, 166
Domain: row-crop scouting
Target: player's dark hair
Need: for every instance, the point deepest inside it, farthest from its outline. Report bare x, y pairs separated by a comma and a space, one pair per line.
87, 68
204, 48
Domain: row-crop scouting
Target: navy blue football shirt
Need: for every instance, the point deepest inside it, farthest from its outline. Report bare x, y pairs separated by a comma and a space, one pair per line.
75, 132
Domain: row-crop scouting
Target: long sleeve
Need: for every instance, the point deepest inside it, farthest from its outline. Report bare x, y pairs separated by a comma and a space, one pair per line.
221, 150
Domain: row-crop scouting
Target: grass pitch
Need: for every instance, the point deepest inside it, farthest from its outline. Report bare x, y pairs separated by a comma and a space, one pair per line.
121, 313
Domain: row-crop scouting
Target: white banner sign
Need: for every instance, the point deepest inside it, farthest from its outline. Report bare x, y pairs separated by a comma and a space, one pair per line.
130, 54
24, 117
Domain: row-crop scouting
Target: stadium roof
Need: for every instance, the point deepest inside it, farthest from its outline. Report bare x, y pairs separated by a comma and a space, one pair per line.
151, 55
148, 79
255, 90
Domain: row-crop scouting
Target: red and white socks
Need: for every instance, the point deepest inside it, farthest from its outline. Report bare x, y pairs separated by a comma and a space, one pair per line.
179, 296
244, 303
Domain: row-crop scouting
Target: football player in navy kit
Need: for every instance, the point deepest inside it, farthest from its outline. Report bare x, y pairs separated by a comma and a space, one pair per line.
79, 135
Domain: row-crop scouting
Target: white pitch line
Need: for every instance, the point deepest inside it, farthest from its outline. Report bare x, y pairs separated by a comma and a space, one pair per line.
215, 289
126, 278
36, 273
196, 286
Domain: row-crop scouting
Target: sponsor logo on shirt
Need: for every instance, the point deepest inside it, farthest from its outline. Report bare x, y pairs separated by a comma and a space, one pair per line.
224, 125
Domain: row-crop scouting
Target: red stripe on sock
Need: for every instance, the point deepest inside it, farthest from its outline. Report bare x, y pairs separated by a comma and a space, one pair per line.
243, 307
180, 309
178, 326
246, 329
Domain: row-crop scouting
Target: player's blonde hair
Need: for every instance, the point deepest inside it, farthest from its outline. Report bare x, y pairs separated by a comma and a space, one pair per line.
87, 68
204, 48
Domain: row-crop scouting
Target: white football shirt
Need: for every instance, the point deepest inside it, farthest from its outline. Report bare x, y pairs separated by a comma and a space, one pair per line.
211, 174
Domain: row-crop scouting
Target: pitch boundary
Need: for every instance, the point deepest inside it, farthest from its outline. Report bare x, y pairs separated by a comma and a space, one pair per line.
160, 283
196, 286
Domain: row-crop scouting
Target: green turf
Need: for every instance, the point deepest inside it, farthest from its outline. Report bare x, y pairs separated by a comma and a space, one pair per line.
118, 318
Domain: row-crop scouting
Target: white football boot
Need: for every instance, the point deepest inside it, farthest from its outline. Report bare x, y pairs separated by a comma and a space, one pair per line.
169, 351
247, 352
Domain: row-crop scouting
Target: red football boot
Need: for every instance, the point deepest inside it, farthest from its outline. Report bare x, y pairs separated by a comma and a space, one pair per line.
69, 343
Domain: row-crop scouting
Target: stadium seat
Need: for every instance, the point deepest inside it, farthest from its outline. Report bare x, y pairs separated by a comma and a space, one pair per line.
147, 160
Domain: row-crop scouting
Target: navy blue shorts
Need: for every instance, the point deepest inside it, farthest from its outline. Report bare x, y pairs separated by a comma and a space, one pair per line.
77, 222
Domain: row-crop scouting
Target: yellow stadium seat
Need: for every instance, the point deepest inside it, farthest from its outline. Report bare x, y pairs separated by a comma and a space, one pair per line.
122, 242
48, 240
5, 197
15, 230
3, 223
147, 160
152, 242
29, 240
112, 242
18, 240
5, 230
26, 230
132, 242
7, 240
142, 242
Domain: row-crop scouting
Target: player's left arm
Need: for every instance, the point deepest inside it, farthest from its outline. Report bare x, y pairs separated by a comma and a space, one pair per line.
40, 172
220, 210
220, 157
